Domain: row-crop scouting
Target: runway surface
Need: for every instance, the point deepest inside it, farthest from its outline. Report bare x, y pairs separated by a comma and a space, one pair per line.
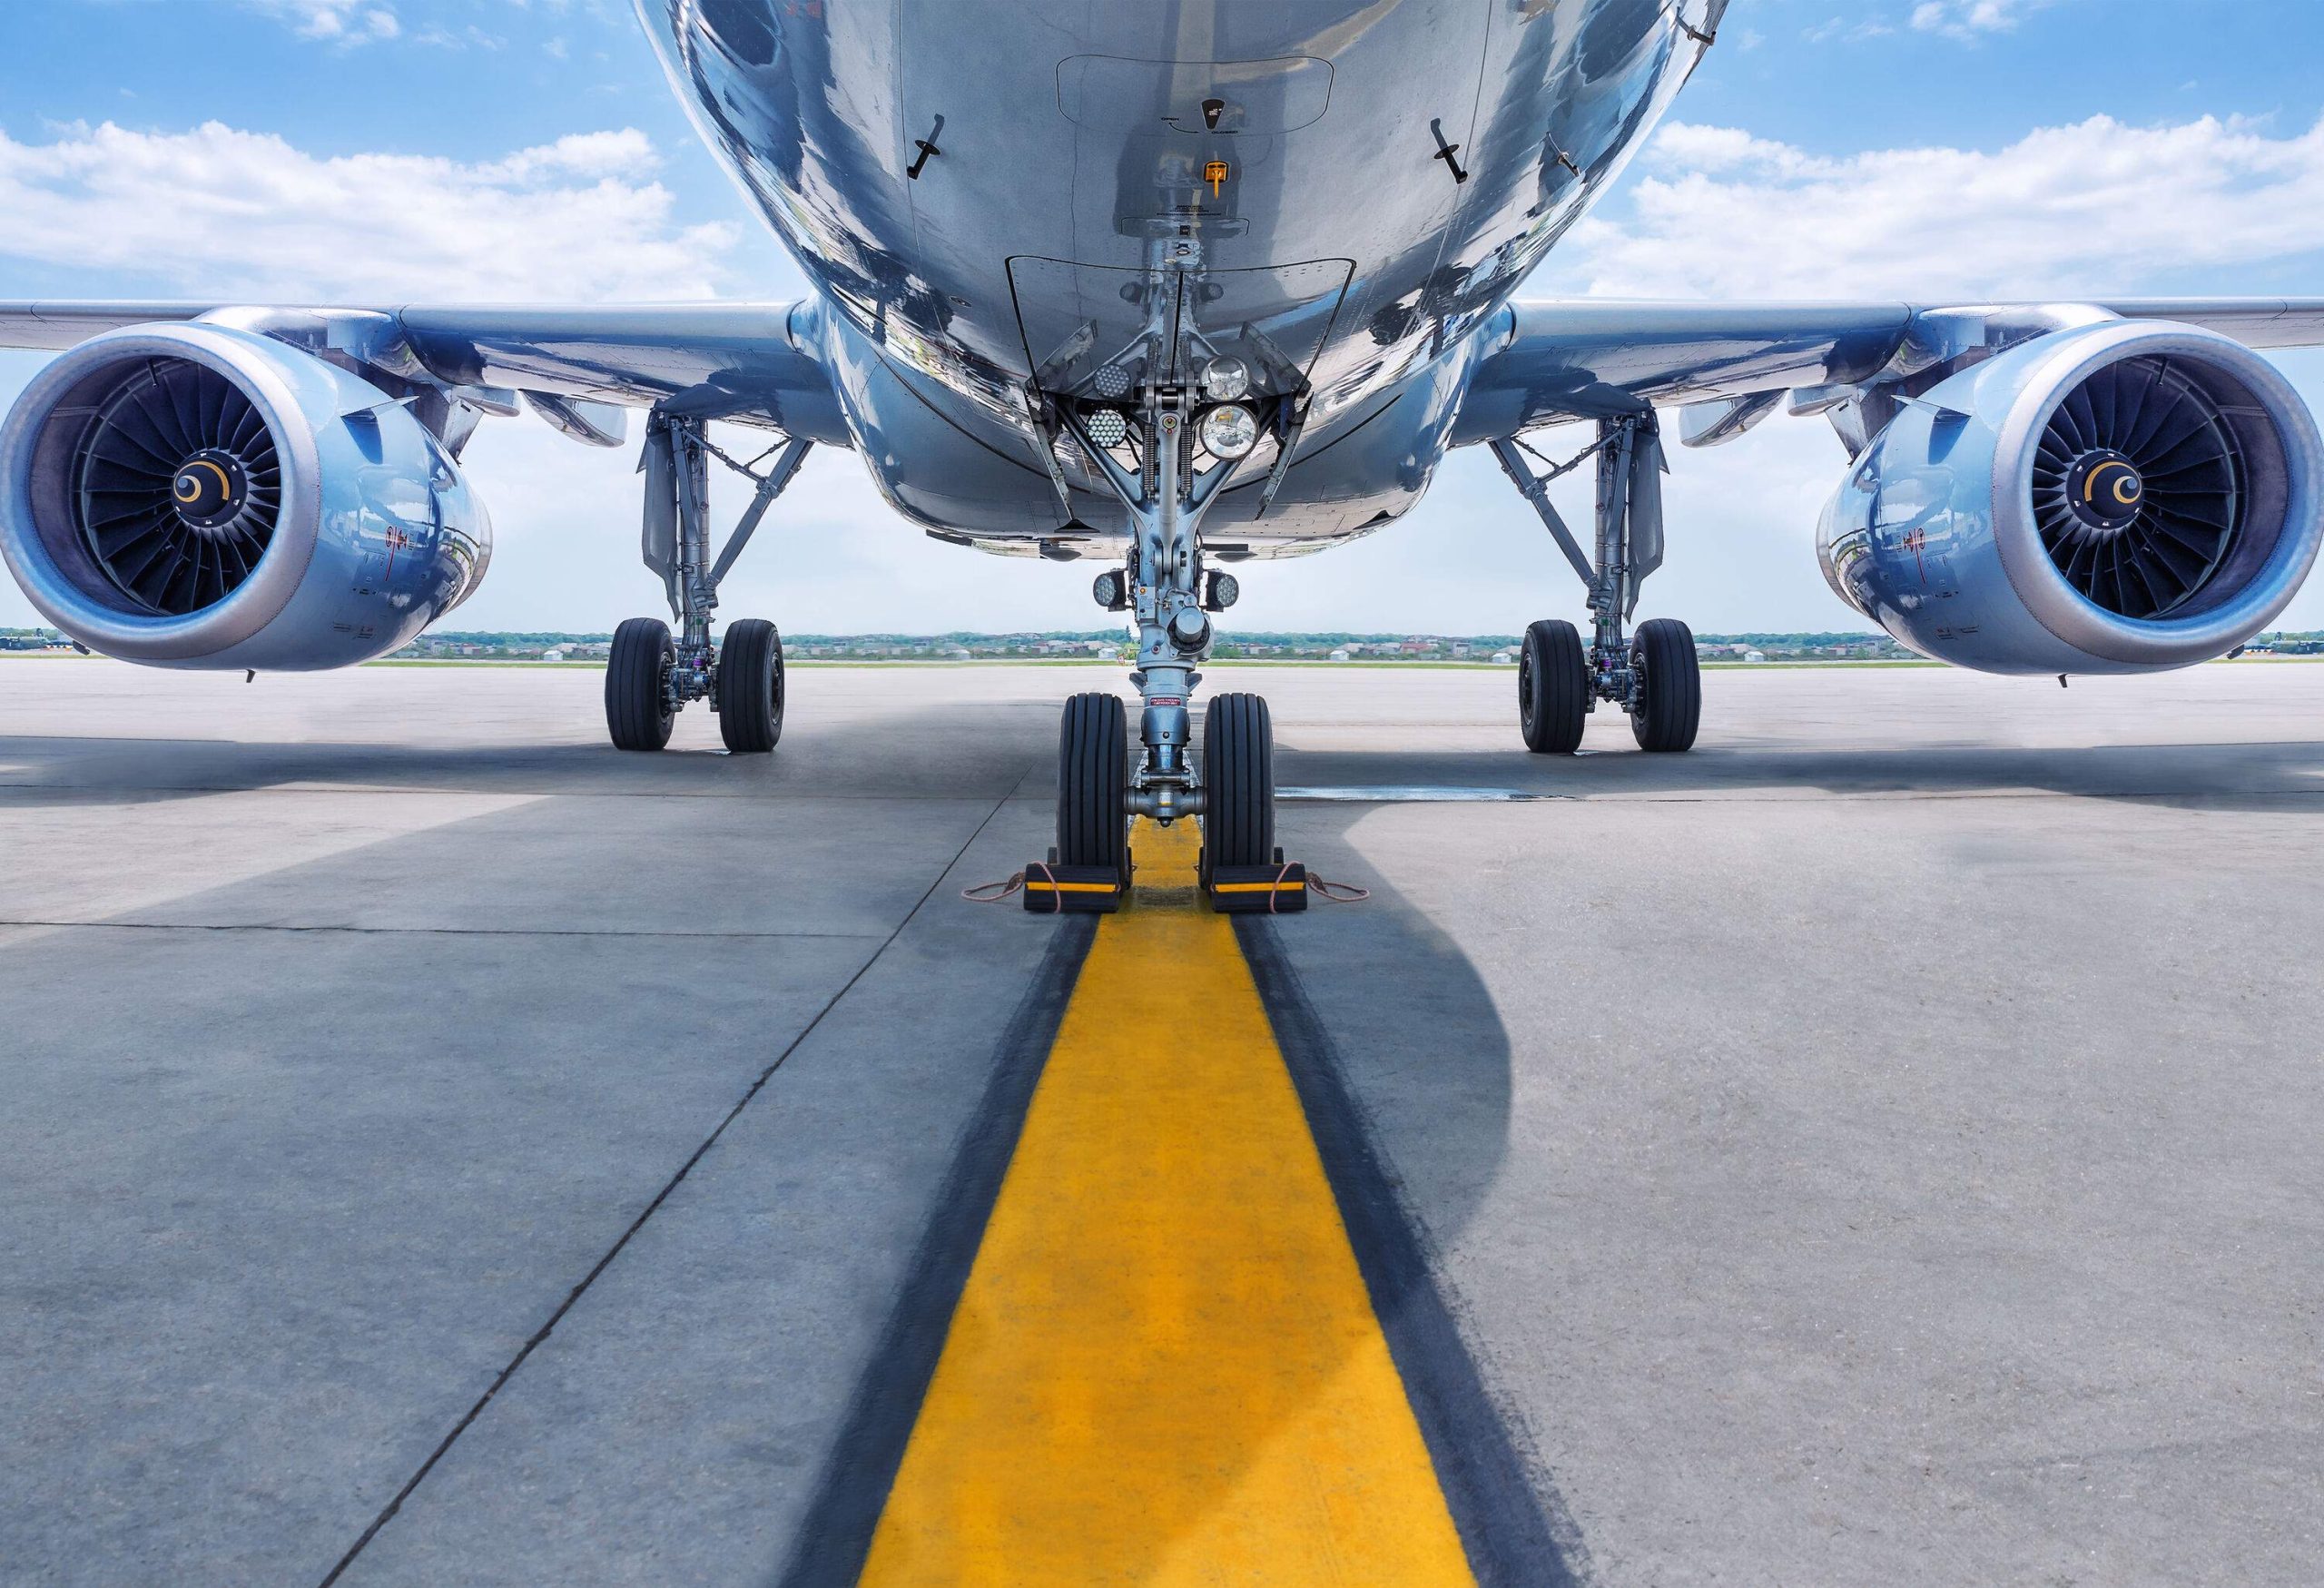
1879, 1146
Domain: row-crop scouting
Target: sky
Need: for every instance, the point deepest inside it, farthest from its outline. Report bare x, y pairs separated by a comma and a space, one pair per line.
388, 151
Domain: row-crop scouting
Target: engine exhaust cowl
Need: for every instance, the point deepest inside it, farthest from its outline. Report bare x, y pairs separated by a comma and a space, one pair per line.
2120, 496
198, 496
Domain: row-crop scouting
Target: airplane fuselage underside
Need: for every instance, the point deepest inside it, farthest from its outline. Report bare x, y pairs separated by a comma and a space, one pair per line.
983, 196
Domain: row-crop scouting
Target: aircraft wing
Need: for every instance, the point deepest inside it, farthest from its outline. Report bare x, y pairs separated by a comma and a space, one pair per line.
1550, 362
745, 361
59, 325
2256, 322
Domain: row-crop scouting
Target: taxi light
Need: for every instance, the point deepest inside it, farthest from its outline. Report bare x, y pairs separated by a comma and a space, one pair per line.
1106, 427
1226, 377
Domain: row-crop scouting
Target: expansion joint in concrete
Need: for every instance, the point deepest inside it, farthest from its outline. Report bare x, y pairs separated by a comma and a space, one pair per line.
500, 1380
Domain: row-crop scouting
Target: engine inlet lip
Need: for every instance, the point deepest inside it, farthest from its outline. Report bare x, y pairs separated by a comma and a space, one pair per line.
2289, 517
40, 539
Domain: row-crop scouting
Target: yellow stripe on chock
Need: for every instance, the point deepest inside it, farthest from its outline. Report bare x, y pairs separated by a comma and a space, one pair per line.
1165, 1367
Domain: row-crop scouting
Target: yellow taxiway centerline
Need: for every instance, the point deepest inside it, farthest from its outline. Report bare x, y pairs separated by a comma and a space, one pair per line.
1165, 1367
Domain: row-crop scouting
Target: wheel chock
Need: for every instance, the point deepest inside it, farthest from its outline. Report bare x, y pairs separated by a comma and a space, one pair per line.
1051, 888
1257, 890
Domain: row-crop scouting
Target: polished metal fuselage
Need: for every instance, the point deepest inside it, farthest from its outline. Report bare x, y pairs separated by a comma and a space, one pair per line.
974, 187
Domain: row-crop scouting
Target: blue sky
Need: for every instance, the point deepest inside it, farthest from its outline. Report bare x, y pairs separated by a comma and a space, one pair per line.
387, 150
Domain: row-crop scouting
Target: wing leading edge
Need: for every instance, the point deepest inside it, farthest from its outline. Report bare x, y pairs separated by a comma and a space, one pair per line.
751, 362
1548, 362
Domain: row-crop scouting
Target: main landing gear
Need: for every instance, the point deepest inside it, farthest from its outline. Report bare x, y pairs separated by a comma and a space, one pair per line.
652, 675
1654, 675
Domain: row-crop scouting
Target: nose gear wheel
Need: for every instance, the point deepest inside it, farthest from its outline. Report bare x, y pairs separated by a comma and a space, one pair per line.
1092, 781
1238, 782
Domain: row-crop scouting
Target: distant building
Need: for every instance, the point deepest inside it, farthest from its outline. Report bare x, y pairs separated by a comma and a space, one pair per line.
1340, 655
552, 656
1500, 658
1754, 655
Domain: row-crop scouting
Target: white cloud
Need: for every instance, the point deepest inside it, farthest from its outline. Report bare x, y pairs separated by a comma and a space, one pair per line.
1840, 27
341, 22
444, 38
216, 212
1967, 19
2097, 207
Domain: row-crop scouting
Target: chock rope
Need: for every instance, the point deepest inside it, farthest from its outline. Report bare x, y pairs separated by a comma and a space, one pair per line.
994, 892
1337, 892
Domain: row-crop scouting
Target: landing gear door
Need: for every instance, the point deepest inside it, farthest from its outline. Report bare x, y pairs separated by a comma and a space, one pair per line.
1098, 331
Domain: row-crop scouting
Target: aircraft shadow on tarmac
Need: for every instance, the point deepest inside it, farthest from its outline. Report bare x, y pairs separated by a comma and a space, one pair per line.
985, 751
949, 755
2232, 775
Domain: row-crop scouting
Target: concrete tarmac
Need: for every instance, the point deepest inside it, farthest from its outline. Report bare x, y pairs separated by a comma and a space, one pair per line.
1879, 1146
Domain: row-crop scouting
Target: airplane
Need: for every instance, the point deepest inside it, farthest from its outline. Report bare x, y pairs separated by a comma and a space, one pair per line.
1167, 288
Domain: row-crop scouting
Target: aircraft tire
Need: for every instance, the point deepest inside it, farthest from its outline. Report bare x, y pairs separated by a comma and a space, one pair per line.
1552, 688
1239, 781
1092, 781
637, 703
1669, 707
750, 687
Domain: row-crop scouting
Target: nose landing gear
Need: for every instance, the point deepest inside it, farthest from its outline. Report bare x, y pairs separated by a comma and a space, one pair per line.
1164, 588
1163, 417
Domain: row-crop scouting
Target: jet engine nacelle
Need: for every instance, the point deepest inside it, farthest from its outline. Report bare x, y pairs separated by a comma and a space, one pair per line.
197, 496
2121, 497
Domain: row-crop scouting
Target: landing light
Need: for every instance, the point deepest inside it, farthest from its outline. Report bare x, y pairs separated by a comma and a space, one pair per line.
1226, 377
1228, 430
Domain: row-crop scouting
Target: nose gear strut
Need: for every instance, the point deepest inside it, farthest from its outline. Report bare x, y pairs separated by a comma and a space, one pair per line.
1179, 407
